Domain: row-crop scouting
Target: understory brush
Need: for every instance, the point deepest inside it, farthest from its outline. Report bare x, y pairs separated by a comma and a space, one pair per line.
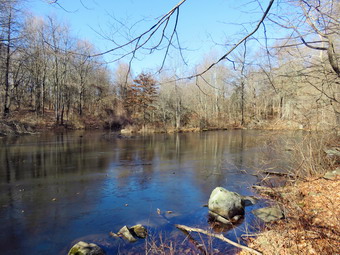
309, 157
311, 203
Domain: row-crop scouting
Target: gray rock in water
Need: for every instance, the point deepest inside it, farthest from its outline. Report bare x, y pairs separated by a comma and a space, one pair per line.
269, 214
225, 203
249, 200
331, 175
139, 231
126, 233
83, 248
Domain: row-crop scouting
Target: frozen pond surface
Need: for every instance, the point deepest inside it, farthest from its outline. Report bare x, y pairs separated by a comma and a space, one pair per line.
58, 189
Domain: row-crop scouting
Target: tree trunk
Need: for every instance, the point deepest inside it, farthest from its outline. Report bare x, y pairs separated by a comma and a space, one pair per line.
8, 64
242, 103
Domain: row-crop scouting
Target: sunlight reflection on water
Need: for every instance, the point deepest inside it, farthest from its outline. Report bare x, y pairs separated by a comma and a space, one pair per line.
56, 189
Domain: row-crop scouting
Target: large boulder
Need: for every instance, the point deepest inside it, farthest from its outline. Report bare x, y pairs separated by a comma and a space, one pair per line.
226, 203
83, 248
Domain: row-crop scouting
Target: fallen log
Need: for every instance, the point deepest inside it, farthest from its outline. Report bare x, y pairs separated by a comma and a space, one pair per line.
219, 236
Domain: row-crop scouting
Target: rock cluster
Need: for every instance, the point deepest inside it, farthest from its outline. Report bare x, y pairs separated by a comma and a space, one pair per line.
132, 234
228, 207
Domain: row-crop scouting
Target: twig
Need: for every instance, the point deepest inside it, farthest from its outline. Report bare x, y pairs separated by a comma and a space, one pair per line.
196, 243
262, 188
279, 174
219, 236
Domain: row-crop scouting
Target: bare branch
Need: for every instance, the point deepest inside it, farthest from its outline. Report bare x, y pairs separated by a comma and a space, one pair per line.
298, 44
55, 2
164, 20
312, 47
219, 236
237, 44
170, 40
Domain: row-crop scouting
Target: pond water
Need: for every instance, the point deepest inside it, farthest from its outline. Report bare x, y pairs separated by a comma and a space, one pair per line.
57, 189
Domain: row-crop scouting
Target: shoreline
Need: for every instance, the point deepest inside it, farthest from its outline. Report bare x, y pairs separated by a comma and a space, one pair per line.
13, 128
311, 224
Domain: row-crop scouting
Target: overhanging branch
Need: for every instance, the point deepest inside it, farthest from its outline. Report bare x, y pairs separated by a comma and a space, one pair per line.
310, 46
237, 44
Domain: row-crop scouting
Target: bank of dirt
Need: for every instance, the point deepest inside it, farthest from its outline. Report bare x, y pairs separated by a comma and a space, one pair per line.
312, 220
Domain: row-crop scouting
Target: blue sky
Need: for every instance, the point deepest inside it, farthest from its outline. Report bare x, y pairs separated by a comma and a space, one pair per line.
204, 26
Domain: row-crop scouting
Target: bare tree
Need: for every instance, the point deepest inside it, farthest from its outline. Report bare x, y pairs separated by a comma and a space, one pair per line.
9, 35
315, 26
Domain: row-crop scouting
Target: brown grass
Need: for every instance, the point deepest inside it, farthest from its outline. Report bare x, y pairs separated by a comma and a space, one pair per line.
311, 204
312, 223
160, 247
309, 158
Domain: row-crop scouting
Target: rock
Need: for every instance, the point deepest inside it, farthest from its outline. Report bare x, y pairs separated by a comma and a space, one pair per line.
269, 214
126, 233
331, 175
333, 151
249, 200
225, 203
126, 131
139, 231
113, 234
83, 248
334, 154
131, 234
219, 218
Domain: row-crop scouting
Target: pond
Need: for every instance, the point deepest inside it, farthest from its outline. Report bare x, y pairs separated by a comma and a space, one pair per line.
57, 189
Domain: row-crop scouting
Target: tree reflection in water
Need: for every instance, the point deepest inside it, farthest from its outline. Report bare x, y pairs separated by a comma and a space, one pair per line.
55, 189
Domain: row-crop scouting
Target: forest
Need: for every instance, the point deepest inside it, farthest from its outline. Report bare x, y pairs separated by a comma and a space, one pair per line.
277, 75
50, 78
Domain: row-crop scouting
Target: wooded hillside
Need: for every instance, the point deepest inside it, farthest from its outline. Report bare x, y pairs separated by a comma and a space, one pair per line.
49, 79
